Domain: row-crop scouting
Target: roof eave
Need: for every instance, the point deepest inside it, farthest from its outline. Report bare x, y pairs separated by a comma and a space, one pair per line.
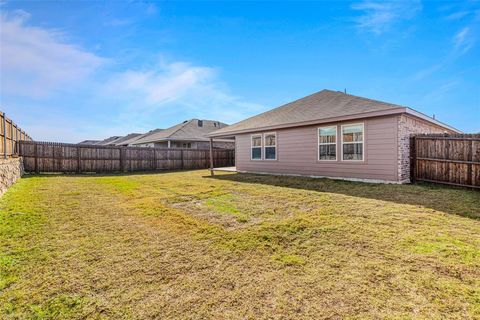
370, 114
427, 118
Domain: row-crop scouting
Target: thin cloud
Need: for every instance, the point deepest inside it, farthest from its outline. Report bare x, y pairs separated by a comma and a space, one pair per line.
379, 16
36, 61
463, 40
169, 87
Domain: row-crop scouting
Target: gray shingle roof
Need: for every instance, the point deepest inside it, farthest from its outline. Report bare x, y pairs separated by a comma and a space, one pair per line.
132, 140
186, 131
121, 141
89, 142
321, 105
108, 141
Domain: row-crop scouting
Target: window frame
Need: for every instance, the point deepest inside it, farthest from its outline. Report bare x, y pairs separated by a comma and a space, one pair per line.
261, 146
329, 143
356, 142
265, 145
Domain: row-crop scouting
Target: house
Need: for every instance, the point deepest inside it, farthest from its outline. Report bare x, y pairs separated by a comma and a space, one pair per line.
330, 134
108, 141
129, 141
125, 140
190, 134
89, 142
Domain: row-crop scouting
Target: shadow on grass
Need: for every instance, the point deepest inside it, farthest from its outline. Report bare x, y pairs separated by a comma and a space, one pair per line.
452, 200
99, 174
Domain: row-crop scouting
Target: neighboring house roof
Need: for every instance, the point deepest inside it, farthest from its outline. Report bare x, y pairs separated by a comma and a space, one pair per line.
132, 140
323, 106
121, 141
190, 130
108, 141
89, 142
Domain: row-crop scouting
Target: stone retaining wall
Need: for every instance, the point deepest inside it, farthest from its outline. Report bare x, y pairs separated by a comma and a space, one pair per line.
10, 171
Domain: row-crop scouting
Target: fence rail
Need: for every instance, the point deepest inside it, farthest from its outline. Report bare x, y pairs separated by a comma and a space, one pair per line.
68, 158
10, 134
452, 159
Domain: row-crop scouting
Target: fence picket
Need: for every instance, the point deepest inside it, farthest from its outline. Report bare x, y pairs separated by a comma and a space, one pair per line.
452, 159
42, 157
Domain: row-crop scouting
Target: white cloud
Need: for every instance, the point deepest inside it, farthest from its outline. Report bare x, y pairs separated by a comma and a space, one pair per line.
463, 40
196, 90
34, 61
379, 16
39, 68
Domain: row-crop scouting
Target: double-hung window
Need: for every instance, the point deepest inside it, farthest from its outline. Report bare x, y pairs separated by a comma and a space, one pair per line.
270, 140
352, 142
256, 146
327, 143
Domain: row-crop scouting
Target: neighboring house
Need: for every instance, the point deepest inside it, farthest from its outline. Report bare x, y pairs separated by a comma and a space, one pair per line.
331, 134
130, 142
124, 141
109, 141
89, 142
190, 134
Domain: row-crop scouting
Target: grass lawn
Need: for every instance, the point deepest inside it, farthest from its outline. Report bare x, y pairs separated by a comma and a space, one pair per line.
183, 245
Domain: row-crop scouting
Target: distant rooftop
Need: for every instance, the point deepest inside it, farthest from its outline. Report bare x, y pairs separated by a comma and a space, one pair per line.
189, 130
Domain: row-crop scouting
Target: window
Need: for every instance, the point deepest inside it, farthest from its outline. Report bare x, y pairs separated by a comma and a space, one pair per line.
256, 147
327, 143
200, 123
270, 140
352, 142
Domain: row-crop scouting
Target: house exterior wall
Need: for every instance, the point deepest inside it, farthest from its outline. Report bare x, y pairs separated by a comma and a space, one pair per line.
408, 126
297, 152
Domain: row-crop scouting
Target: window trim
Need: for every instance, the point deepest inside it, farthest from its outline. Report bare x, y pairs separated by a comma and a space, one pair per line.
356, 142
265, 145
330, 143
261, 146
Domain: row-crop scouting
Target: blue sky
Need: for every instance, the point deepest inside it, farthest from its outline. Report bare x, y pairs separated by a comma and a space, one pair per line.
87, 70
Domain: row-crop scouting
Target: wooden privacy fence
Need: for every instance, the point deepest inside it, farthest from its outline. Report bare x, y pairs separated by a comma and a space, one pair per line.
10, 134
63, 157
450, 159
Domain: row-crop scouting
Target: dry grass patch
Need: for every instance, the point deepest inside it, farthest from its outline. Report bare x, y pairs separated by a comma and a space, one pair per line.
184, 245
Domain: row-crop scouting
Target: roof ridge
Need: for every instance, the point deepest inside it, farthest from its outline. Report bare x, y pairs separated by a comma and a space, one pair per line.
181, 127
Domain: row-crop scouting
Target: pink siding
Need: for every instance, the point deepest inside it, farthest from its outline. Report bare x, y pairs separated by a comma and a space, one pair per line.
297, 153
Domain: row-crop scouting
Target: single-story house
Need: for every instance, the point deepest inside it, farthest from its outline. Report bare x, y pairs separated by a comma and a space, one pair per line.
130, 141
331, 134
89, 142
123, 141
108, 141
190, 134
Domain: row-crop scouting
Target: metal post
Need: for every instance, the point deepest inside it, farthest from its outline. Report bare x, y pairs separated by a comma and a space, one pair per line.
4, 136
211, 157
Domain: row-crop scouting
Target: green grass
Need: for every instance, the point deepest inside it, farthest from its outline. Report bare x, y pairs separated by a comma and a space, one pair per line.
183, 245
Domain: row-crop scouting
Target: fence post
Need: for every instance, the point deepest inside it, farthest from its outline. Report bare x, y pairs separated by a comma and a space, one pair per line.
469, 165
155, 159
122, 160
181, 154
36, 158
11, 136
4, 136
78, 160
413, 159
